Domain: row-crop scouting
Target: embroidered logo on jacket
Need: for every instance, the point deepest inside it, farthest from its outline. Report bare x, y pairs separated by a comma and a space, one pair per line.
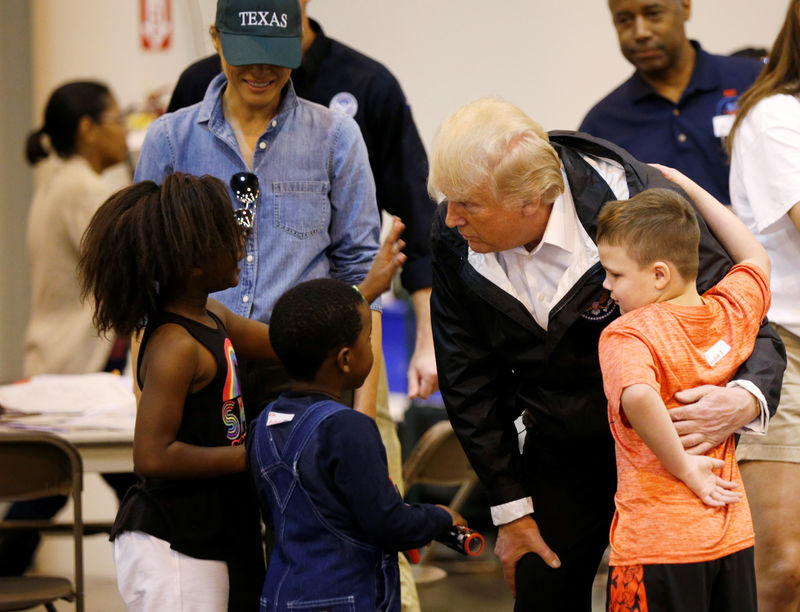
601, 308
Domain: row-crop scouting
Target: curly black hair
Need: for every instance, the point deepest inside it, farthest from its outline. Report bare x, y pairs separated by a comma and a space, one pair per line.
143, 242
313, 320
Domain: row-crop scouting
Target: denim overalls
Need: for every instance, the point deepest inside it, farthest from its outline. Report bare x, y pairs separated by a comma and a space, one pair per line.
314, 566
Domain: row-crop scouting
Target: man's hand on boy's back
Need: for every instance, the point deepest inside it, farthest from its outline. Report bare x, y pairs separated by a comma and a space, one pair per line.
710, 414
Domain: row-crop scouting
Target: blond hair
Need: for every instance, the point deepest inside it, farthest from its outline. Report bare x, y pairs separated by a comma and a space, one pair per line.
656, 224
490, 148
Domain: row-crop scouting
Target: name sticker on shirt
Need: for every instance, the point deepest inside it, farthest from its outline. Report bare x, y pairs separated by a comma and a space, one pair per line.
722, 125
276, 418
714, 354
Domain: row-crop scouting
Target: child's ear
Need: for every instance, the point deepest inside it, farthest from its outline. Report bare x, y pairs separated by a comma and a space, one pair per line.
661, 274
343, 359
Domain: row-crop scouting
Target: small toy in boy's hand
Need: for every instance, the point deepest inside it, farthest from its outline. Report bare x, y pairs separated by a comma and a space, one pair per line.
463, 539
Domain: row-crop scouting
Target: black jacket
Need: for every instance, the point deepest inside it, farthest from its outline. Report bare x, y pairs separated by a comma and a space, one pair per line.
495, 361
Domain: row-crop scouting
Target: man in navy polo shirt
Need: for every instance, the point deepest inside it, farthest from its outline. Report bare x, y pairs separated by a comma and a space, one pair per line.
680, 103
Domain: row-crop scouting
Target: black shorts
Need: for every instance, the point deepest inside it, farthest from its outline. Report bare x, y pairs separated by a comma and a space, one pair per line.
727, 584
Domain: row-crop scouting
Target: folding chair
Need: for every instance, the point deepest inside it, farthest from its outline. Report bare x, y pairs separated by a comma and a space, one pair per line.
439, 460
34, 465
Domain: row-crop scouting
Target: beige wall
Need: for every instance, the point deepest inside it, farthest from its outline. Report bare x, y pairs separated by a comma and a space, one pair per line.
554, 58
15, 181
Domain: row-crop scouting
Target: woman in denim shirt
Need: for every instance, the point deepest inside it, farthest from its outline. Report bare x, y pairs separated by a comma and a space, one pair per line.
316, 215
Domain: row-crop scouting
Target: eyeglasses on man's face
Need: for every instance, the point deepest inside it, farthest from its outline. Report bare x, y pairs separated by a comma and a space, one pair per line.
246, 190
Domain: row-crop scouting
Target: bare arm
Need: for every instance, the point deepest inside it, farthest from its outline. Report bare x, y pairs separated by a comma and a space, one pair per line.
366, 396
422, 378
794, 215
136, 342
740, 243
250, 338
170, 370
649, 417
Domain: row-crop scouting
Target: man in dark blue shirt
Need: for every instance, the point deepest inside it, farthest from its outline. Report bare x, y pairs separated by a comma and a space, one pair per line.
680, 103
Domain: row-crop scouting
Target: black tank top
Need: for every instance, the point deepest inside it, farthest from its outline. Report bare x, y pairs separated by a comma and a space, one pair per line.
206, 518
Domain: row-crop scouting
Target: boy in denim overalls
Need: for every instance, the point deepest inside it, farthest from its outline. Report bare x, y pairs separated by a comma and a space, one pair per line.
320, 467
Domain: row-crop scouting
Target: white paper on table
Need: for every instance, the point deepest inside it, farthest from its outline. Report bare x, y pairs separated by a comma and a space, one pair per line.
99, 394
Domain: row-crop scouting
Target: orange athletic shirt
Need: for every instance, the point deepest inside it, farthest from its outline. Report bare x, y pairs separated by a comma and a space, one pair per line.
672, 347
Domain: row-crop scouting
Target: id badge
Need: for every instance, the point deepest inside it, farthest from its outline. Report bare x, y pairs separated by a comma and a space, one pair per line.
722, 125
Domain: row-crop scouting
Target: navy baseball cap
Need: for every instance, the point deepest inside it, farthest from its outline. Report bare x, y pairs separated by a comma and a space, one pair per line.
260, 32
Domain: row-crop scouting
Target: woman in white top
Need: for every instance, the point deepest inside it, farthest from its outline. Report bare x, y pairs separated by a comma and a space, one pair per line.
765, 194
84, 128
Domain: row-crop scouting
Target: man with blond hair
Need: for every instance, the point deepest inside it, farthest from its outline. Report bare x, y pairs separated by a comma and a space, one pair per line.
518, 306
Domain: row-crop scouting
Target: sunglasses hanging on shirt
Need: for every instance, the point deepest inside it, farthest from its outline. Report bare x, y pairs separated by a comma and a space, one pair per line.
246, 190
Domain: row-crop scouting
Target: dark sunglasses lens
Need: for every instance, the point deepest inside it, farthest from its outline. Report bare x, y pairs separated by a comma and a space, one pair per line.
245, 187
243, 218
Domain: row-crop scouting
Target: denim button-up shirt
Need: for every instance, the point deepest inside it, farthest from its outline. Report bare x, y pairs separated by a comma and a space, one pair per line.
316, 216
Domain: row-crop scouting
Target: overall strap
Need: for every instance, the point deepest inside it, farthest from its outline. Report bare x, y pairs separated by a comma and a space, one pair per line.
306, 425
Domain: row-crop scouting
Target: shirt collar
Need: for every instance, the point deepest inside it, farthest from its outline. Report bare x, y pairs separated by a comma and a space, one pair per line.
211, 106
704, 77
560, 231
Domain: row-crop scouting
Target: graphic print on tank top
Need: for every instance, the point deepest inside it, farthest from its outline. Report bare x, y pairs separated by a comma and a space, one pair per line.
232, 405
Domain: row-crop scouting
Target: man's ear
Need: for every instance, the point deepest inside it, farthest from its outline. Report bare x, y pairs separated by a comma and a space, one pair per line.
212, 30
686, 6
343, 358
661, 274
531, 206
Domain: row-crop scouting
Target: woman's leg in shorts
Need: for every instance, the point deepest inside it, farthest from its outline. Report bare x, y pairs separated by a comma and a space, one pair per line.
770, 467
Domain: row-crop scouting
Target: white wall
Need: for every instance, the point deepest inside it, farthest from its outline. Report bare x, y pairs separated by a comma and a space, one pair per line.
554, 58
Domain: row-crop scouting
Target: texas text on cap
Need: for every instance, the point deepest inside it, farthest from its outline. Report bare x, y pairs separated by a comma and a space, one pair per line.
260, 32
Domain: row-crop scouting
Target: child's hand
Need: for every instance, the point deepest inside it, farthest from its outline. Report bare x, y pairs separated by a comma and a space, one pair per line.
713, 490
457, 518
389, 258
676, 176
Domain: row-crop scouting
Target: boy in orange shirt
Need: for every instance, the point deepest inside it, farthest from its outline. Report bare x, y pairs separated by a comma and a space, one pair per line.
682, 536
